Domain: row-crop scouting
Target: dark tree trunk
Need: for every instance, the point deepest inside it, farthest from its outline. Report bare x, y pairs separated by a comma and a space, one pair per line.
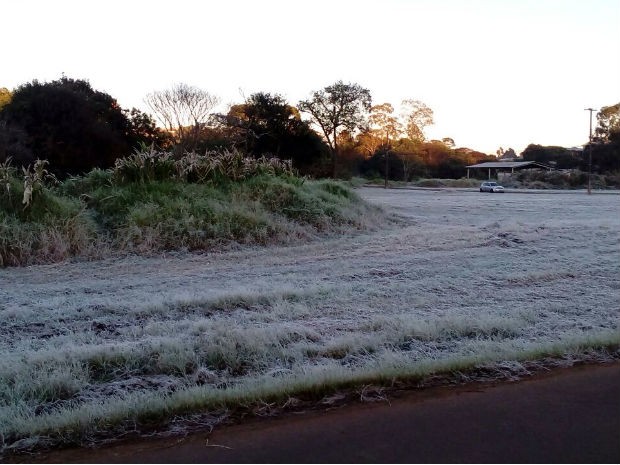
334, 155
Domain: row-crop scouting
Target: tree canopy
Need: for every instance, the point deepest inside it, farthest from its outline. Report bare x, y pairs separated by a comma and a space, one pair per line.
73, 126
267, 124
608, 124
262, 121
337, 108
69, 124
5, 96
383, 121
605, 147
417, 116
558, 157
606, 143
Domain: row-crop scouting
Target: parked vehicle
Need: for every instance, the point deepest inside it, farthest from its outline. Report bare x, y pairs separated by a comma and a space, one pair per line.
491, 186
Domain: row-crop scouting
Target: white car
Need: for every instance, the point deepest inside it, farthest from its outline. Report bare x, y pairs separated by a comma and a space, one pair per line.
491, 186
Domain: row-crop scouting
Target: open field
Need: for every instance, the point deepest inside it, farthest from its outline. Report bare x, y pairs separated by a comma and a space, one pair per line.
463, 279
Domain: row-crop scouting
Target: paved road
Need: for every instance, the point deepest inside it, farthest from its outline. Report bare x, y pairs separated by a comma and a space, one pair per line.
569, 415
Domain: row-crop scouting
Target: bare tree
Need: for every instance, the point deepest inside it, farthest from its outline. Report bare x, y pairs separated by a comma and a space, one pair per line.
184, 110
336, 108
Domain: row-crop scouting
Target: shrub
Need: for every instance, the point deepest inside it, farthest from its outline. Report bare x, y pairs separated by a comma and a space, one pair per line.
77, 186
227, 165
282, 197
37, 224
429, 183
29, 197
144, 166
336, 189
569, 179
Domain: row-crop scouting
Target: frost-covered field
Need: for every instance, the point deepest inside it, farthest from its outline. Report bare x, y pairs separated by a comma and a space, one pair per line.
465, 278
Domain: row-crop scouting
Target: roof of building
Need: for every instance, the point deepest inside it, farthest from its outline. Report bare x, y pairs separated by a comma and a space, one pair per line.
507, 164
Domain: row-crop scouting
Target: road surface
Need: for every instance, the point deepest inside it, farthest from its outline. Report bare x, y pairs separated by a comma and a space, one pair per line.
566, 416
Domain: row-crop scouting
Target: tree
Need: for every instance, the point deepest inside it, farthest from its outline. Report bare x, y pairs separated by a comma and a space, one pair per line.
558, 157
267, 124
5, 96
369, 141
13, 145
608, 127
471, 157
409, 152
263, 121
184, 111
387, 126
67, 122
436, 153
448, 142
144, 130
417, 116
606, 143
508, 154
336, 108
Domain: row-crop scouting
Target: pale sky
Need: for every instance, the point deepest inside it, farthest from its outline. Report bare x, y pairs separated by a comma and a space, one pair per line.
496, 73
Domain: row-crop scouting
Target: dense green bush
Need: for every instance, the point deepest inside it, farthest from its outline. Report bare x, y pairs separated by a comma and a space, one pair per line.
72, 125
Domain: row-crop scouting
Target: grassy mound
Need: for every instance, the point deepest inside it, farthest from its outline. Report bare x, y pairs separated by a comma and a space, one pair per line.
36, 223
150, 203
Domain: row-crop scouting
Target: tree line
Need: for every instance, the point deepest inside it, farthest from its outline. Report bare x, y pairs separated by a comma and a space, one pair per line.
336, 132
604, 147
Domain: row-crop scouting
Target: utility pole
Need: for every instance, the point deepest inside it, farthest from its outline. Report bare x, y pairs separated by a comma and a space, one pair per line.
591, 110
387, 154
387, 165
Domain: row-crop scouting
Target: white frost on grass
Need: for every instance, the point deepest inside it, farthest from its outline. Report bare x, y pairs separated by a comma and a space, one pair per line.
463, 279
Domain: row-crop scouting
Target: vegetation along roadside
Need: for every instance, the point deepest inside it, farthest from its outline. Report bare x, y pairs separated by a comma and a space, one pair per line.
151, 202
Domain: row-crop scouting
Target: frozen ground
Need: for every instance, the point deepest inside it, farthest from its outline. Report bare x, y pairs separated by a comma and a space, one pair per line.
463, 276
